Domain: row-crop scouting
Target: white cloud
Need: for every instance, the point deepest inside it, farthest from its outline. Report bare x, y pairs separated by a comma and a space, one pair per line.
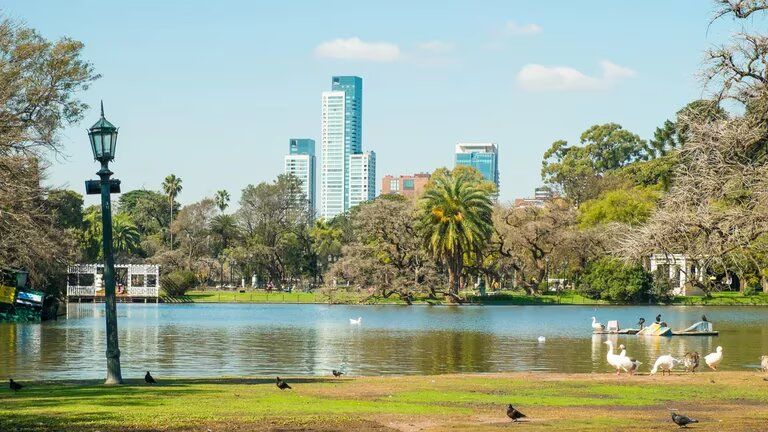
356, 49
515, 29
536, 77
436, 47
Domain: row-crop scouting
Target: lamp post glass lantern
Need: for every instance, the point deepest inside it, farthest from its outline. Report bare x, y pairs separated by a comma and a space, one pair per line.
103, 137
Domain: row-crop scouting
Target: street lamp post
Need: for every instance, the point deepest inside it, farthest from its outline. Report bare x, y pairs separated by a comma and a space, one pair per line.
103, 137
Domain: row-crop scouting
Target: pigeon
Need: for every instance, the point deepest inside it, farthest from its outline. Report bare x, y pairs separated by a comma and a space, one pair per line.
337, 373
682, 420
148, 379
691, 361
513, 413
282, 385
14, 385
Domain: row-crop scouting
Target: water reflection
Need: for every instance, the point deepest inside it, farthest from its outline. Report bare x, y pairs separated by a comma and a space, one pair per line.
214, 340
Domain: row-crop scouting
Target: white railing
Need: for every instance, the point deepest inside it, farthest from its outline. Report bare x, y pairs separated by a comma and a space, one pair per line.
143, 291
81, 291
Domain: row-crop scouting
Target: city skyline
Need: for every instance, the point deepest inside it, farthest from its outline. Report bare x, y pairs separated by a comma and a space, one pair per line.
520, 76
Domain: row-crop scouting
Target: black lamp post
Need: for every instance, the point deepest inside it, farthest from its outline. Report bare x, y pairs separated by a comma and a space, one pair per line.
103, 137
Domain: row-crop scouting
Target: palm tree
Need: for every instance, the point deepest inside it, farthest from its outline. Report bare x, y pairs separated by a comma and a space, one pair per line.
226, 230
222, 200
455, 219
125, 235
172, 188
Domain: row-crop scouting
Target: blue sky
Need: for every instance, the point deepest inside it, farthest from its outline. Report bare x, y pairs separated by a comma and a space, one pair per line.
212, 91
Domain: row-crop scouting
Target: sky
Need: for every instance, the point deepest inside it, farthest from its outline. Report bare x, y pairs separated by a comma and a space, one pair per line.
213, 90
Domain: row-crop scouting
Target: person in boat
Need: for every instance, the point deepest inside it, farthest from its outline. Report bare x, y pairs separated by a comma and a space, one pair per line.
641, 323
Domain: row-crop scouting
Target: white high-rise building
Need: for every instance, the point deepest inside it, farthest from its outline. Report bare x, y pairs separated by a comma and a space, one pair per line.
362, 178
301, 163
341, 142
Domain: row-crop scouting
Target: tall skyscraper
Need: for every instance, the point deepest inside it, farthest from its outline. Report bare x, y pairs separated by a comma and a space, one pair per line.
300, 161
484, 157
341, 139
362, 178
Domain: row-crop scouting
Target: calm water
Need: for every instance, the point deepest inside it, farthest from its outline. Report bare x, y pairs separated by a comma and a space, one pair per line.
214, 340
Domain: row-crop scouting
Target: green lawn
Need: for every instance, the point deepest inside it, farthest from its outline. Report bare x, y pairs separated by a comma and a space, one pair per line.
497, 298
589, 402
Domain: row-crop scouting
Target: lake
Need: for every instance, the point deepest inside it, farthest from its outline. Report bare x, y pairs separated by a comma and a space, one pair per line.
192, 340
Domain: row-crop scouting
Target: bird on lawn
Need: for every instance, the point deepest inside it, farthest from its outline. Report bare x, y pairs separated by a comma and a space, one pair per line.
641, 322
337, 373
691, 361
596, 326
282, 385
612, 358
714, 359
514, 414
14, 385
666, 363
681, 420
357, 321
764, 363
628, 364
149, 379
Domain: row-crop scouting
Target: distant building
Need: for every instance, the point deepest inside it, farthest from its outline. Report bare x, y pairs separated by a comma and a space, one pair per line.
540, 197
406, 185
343, 159
300, 161
362, 178
484, 157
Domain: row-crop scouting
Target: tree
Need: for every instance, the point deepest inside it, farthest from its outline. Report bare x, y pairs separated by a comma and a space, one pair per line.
455, 219
125, 236
531, 238
274, 225
577, 170
40, 80
628, 206
67, 208
149, 210
172, 188
192, 228
386, 254
226, 233
222, 200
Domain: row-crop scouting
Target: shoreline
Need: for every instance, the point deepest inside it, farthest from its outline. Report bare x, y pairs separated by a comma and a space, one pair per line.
598, 402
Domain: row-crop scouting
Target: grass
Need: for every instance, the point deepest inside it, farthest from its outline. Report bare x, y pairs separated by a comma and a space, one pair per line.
496, 298
733, 401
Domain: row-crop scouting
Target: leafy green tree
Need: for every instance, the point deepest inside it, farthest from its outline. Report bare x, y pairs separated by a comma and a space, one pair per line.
610, 279
67, 207
455, 219
125, 236
576, 170
192, 228
172, 187
226, 233
222, 200
149, 210
629, 206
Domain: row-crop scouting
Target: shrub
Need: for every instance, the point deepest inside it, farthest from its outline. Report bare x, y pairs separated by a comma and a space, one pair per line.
612, 280
178, 282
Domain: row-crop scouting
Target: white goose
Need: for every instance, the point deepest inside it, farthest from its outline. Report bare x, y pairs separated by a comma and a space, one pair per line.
357, 321
628, 364
666, 363
612, 358
714, 359
596, 326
